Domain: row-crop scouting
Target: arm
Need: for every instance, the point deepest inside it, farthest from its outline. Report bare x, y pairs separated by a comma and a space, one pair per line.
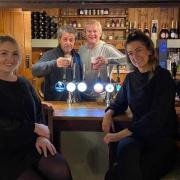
45, 65
119, 106
114, 55
160, 117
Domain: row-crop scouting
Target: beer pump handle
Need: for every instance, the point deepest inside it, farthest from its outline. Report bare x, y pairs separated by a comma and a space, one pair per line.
118, 73
99, 76
74, 71
84, 72
108, 73
64, 74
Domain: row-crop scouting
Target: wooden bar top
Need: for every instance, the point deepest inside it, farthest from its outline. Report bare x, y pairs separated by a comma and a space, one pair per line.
78, 111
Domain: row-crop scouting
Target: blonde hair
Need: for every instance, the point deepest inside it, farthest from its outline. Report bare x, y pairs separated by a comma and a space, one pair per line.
94, 22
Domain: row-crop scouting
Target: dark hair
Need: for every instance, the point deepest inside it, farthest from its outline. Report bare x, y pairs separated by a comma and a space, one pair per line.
7, 38
147, 42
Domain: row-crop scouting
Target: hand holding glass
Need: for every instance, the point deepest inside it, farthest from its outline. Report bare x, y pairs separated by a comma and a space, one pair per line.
64, 61
97, 62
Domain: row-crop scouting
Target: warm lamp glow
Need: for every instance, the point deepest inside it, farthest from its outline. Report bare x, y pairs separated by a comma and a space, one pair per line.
82, 86
98, 87
71, 87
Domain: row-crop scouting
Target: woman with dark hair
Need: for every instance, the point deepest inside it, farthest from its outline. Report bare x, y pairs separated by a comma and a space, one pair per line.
146, 149
26, 152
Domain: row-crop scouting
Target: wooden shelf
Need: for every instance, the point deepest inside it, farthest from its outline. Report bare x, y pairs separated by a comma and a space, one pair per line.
93, 16
108, 28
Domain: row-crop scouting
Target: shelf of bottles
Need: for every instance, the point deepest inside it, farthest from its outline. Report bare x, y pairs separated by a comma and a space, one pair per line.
164, 32
43, 26
114, 21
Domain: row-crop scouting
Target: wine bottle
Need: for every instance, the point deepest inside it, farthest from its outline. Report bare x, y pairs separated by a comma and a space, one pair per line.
177, 30
146, 30
166, 31
139, 27
162, 34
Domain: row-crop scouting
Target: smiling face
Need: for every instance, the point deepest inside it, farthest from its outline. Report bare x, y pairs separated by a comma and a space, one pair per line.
139, 55
67, 41
9, 57
93, 34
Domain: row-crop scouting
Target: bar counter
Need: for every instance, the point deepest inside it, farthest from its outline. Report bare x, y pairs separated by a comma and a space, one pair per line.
82, 116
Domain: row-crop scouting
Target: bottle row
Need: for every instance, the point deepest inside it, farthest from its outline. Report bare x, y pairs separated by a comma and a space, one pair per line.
93, 12
109, 23
164, 32
43, 26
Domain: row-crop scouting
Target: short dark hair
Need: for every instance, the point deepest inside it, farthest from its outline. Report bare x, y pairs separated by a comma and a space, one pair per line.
147, 42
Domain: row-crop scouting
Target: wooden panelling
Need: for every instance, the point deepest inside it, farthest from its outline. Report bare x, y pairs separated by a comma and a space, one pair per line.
146, 15
17, 23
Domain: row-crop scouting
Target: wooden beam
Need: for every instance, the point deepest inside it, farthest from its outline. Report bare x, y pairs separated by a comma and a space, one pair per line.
88, 3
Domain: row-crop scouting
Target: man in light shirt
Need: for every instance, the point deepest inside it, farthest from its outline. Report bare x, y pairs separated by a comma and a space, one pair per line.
95, 55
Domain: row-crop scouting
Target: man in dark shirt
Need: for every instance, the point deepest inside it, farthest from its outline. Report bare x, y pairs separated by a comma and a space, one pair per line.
56, 65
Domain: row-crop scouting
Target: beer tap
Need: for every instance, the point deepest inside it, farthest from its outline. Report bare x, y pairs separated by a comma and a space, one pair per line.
109, 87
60, 86
118, 85
82, 86
71, 87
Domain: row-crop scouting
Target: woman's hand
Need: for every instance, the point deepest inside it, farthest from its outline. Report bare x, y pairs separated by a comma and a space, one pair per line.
107, 121
43, 145
42, 130
114, 137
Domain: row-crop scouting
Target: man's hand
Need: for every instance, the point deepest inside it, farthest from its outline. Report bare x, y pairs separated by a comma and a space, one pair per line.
63, 62
98, 62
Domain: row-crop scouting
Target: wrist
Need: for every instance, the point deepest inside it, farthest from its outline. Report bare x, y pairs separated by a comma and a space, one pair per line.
35, 128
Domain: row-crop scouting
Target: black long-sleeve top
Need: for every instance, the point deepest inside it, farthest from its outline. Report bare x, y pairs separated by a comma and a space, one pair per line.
152, 102
20, 108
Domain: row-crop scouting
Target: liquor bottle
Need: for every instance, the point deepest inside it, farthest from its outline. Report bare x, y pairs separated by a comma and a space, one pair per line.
154, 30
113, 23
139, 27
130, 27
106, 11
134, 27
166, 31
174, 69
172, 31
177, 30
117, 23
146, 30
162, 34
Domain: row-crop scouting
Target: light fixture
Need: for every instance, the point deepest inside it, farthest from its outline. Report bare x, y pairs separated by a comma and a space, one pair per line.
60, 86
71, 86
109, 88
82, 87
98, 87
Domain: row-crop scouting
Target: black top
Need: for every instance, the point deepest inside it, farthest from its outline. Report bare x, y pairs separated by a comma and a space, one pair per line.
152, 102
20, 108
